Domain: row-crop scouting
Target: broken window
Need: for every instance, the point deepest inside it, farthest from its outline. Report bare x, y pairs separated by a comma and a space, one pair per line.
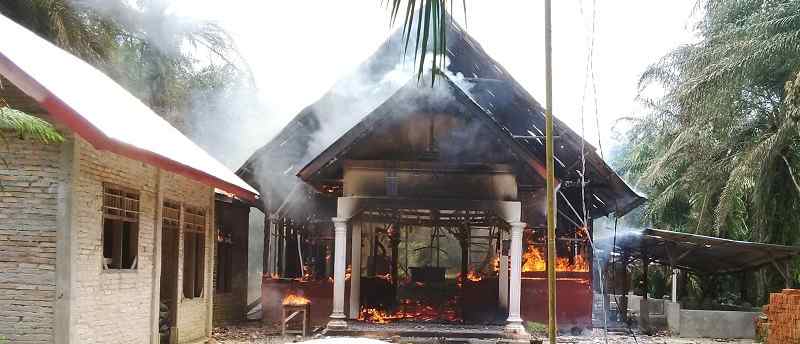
120, 227
194, 229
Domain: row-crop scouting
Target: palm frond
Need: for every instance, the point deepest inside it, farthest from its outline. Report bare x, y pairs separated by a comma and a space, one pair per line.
28, 126
425, 21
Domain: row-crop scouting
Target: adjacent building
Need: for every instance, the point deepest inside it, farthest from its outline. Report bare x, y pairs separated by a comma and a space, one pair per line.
109, 236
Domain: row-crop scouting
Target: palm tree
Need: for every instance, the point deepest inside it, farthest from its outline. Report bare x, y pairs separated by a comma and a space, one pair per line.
426, 22
719, 151
65, 25
27, 126
76, 29
141, 45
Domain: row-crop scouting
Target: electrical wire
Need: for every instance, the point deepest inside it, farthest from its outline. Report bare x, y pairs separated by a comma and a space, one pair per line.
590, 75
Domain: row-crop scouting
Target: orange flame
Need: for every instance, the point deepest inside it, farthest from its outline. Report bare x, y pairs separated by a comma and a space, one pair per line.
295, 300
533, 260
410, 310
496, 264
474, 276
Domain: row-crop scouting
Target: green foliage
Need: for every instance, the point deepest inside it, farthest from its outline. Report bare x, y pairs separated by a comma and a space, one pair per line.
535, 328
426, 22
28, 126
717, 152
140, 44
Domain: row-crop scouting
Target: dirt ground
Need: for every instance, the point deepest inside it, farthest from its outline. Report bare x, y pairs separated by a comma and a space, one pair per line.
254, 333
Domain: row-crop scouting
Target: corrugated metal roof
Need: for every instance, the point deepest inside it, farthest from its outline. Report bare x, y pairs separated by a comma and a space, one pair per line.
102, 112
490, 87
696, 252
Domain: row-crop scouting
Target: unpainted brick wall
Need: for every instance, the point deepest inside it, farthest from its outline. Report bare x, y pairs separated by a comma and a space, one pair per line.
784, 317
114, 306
193, 313
29, 178
111, 305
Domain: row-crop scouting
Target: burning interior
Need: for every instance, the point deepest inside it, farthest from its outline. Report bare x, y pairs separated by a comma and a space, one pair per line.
420, 208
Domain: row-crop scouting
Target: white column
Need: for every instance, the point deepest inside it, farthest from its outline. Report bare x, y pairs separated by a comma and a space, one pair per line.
674, 285
339, 262
355, 274
503, 278
514, 325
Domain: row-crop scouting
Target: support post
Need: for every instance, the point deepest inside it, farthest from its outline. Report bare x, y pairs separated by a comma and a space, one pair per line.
674, 285
340, 260
514, 327
644, 307
622, 305
503, 278
551, 179
355, 273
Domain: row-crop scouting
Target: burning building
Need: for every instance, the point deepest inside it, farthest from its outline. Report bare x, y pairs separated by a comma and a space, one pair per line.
391, 200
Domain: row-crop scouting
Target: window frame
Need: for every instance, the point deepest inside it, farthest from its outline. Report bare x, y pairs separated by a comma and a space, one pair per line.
125, 214
194, 227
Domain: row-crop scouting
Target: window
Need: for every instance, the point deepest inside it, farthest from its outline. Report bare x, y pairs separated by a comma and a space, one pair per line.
194, 229
120, 227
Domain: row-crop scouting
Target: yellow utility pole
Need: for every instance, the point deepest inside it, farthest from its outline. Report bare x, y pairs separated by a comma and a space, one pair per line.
551, 180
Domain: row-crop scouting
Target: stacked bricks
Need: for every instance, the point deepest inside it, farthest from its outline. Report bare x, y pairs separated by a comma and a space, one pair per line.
784, 317
29, 180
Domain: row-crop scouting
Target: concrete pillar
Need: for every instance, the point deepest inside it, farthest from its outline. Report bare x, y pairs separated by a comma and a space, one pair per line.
255, 262
503, 278
155, 300
66, 247
674, 285
623, 298
644, 303
355, 274
340, 260
514, 325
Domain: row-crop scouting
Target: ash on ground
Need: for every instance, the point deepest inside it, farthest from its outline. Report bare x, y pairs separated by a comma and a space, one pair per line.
258, 333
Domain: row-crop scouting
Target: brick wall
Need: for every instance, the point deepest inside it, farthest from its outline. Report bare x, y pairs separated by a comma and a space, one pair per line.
116, 304
193, 322
111, 305
29, 176
783, 314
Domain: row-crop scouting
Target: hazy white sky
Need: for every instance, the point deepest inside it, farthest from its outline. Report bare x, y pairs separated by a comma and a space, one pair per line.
298, 49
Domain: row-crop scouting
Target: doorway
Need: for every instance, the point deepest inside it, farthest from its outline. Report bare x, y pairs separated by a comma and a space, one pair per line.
168, 297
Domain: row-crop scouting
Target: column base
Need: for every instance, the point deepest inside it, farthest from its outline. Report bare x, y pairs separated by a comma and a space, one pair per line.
337, 323
515, 332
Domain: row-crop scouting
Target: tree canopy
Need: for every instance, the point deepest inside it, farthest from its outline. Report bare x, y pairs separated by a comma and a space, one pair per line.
156, 55
718, 151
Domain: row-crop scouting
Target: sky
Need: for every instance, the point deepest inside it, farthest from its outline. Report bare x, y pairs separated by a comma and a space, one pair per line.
298, 49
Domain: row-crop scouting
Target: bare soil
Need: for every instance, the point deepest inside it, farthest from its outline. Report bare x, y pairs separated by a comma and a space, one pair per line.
256, 333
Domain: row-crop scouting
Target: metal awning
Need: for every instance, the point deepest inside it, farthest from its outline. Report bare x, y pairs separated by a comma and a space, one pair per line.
699, 253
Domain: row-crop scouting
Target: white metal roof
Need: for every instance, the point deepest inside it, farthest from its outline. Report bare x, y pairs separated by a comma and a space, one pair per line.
101, 111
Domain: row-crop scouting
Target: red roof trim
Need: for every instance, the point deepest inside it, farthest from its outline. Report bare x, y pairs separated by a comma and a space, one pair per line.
69, 117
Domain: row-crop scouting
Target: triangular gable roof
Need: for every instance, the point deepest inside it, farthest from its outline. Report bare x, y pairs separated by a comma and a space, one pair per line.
413, 90
491, 88
99, 110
